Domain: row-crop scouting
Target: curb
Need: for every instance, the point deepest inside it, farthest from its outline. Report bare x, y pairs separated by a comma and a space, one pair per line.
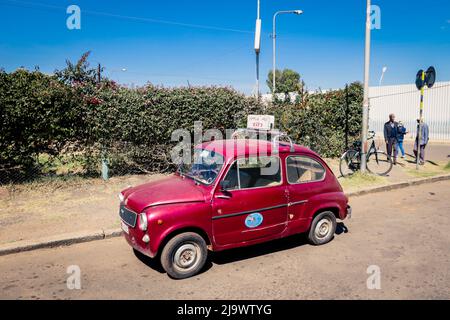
58, 241
399, 185
88, 236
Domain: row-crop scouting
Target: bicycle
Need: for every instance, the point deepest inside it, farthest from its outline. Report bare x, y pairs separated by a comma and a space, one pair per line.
377, 162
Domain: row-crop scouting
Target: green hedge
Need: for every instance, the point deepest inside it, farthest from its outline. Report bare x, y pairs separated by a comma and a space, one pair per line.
319, 121
38, 114
74, 124
140, 122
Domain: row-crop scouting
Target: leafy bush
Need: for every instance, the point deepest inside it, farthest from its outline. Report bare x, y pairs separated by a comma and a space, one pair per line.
72, 122
319, 120
38, 114
142, 121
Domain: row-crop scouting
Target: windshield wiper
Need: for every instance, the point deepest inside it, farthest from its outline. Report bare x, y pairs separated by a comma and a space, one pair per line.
197, 179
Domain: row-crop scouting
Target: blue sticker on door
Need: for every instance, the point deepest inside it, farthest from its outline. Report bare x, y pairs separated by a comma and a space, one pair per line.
254, 220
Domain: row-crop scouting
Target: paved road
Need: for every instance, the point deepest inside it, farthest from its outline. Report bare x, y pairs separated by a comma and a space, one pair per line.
406, 233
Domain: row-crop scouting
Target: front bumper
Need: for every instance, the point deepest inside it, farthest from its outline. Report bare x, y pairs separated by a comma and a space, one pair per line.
134, 239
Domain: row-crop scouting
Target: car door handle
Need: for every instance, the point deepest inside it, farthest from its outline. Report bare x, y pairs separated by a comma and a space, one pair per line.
223, 197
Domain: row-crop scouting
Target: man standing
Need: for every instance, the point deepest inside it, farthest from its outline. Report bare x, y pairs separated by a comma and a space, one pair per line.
423, 141
390, 137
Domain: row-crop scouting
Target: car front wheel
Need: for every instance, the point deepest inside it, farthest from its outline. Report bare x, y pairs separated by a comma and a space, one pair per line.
322, 228
184, 255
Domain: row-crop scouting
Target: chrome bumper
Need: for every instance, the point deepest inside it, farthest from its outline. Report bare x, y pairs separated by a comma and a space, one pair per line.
349, 212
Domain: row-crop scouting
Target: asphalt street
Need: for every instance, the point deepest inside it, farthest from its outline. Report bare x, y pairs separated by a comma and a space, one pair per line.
403, 234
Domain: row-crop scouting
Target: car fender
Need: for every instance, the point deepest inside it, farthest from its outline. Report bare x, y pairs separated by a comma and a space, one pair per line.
333, 200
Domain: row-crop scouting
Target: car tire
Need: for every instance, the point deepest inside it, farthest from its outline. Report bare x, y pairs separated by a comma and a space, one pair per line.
184, 255
322, 228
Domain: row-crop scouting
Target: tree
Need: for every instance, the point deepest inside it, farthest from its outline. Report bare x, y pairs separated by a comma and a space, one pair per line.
287, 81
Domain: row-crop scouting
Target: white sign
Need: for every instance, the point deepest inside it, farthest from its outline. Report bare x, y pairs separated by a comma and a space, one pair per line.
260, 122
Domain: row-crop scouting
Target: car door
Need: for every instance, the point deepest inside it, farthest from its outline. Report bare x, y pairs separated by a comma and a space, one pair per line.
305, 176
254, 205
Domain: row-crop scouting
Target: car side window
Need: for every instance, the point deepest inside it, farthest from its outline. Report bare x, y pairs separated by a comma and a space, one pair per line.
301, 169
254, 172
232, 177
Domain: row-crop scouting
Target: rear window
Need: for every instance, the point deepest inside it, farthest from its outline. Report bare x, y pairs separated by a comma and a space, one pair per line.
301, 169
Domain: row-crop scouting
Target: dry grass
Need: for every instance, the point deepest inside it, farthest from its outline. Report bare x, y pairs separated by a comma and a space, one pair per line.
360, 181
427, 170
447, 166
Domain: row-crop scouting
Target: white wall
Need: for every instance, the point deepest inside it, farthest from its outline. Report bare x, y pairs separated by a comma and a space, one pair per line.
404, 102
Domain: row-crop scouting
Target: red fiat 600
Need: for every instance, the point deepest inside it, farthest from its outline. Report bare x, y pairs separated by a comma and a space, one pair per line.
237, 192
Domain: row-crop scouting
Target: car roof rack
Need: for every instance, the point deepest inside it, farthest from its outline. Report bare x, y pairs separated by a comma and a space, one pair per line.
276, 135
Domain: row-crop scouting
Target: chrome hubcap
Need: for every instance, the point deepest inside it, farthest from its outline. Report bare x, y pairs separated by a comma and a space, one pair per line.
186, 256
323, 228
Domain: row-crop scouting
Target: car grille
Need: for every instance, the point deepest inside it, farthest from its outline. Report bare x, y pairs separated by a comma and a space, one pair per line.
128, 216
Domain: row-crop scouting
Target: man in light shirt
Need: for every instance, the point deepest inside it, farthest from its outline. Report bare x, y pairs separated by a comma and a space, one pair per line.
423, 141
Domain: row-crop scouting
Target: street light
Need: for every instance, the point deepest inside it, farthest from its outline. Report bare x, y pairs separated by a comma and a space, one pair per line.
365, 119
258, 44
382, 74
274, 37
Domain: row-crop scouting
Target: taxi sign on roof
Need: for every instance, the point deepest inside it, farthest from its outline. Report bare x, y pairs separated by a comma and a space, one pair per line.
260, 122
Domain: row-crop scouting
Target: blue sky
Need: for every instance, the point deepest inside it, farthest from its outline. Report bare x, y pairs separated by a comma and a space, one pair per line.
325, 44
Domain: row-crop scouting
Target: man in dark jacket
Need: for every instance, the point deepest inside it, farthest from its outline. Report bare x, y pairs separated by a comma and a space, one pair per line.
390, 137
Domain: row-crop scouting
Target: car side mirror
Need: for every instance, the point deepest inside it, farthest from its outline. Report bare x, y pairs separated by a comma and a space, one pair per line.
224, 185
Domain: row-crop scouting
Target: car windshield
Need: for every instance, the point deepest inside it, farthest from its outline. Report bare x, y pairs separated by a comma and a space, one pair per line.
205, 167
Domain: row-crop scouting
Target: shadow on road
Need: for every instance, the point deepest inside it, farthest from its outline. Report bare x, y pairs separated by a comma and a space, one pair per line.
243, 253
341, 228
155, 264
262, 249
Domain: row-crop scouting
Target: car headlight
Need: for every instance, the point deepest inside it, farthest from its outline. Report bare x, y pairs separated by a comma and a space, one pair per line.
121, 197
143, 221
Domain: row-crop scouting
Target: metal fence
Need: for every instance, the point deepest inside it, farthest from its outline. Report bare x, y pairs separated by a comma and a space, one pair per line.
403, 101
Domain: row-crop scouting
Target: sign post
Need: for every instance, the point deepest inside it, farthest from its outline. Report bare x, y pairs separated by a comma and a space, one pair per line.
423, 79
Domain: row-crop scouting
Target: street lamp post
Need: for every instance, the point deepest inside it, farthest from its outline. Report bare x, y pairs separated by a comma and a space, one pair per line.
382, 74
258, 44
274, 38
365, 119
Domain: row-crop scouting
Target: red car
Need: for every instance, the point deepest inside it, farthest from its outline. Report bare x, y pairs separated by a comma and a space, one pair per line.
232, 196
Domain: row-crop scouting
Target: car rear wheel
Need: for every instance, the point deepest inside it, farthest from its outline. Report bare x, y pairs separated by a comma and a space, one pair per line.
184, 255
322, 228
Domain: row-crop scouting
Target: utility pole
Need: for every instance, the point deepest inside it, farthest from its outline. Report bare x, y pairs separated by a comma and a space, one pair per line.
258, 44
274, 60
346, 117
365, 119
105, 164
